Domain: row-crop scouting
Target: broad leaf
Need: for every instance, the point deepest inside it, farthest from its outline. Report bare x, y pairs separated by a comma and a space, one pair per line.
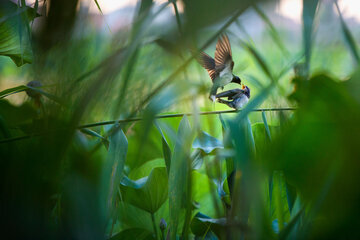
207, 143
133, 233
145, 169
202, 224
14, 32
147, 193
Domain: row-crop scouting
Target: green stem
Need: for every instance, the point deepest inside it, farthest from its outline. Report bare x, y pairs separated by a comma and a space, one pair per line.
140, 119
154, 225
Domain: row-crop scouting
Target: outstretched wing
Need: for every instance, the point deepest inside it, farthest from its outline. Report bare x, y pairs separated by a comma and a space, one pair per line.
230, 93
208, 63
223, 57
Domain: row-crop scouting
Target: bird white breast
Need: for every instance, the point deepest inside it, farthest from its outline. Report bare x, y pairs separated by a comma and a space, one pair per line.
241, 101
226, 76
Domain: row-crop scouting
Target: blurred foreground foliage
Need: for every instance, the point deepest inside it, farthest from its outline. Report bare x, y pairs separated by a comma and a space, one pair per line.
284, 176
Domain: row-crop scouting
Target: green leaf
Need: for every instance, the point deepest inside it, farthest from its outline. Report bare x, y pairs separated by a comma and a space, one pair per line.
22, 88
202, 224
133, 233
266, 125
260, 60
349, 39
13, 90
133, 217
95, 134
14, 23
98, 6
114, 166
178, 178
206, 143
166, 149
11, 113
145, 169
91, 133
273, 32
48, 95
147, 193
290, 226
308, 15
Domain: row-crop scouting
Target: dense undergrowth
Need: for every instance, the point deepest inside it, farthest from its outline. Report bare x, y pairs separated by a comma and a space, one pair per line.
270, 174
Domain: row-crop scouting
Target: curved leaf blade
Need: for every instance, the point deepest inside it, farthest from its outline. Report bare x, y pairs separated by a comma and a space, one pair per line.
147, 193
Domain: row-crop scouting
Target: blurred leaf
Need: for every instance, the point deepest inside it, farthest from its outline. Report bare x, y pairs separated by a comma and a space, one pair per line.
202, 224
308, 16
166, 149
92, 133
147, 193
145, 169
151, 147
98, 6
14, 22
290, 195
260, 60
206, 143
48, 95
266, 125
133, 233
227, 144
279, 199
273, 32
133, 217
15, 115
203, 192
95, 134
289, 227
216, 9
113, 169
178, 177
349, 39
13, 90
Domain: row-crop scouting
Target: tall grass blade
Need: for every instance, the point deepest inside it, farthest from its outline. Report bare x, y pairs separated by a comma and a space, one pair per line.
113, 169
10, 91
166, 149
308, 16
349, 39
267, 129
178, 178
273, 32
260, 60
283, 235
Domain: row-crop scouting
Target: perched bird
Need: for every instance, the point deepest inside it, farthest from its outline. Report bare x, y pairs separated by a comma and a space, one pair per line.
239, 97
220, 69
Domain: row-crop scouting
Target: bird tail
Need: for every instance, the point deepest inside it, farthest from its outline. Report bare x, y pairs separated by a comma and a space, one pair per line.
224, 102
213, 92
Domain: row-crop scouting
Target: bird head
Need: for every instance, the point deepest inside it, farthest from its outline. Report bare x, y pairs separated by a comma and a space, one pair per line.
236, 79
246, 90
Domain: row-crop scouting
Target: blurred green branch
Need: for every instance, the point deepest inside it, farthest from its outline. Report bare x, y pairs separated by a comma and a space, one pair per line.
156, 117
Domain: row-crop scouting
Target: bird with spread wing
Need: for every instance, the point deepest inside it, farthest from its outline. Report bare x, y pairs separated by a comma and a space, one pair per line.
220, 69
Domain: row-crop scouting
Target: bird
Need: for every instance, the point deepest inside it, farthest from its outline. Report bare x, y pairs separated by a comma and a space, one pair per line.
219, 69
239, 97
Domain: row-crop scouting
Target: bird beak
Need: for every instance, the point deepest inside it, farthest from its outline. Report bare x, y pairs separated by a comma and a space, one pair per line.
242, 86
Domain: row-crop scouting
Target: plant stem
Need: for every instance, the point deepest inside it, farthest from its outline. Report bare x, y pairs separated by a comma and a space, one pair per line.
139, 119
154, 225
